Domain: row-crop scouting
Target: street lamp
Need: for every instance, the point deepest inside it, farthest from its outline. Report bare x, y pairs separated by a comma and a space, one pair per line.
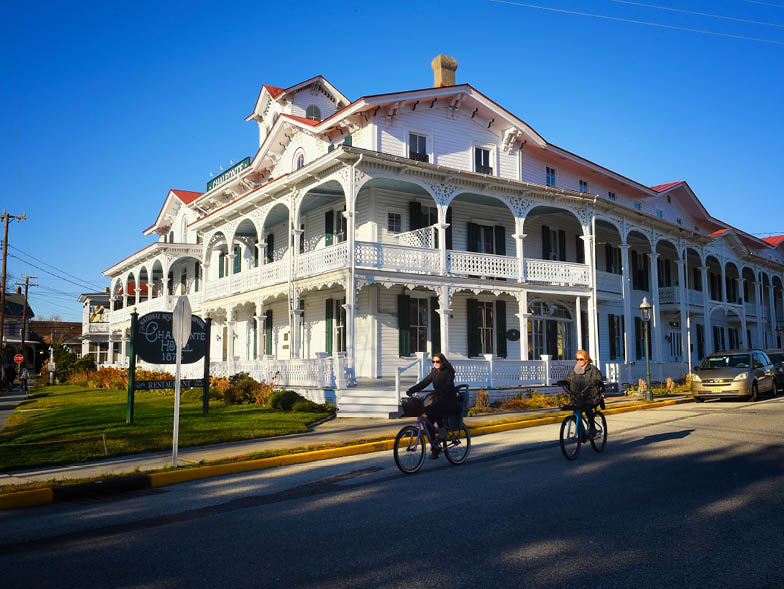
645, 314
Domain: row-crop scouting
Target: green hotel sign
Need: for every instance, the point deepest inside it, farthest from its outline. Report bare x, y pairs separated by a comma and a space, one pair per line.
232, 172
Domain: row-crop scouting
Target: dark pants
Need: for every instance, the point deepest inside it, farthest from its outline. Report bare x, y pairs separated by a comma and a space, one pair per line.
590, 412
436, 413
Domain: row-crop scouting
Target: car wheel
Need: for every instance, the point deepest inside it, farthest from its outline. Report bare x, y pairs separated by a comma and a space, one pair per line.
774, 391
754, 392
699, 399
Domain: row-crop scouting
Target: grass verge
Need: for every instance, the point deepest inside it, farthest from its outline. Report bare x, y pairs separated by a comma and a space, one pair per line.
65, 424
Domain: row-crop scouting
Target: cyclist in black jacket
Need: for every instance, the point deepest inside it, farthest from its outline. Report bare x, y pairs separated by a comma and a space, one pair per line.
442, 377
586, 383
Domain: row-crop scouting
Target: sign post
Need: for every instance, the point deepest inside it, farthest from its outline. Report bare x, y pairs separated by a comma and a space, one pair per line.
205, 400
131, 367
181, 331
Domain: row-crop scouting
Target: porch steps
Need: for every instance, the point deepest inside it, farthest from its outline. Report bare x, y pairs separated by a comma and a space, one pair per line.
367, 402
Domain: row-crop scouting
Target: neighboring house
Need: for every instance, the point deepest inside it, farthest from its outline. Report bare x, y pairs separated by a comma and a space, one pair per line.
67, 333
14, 304
363, 232
94, 328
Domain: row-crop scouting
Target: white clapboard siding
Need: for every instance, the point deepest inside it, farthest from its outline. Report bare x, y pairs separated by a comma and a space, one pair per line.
305, 97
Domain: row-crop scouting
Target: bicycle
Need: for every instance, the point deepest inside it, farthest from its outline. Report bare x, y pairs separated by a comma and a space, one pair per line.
575, 427
410, 445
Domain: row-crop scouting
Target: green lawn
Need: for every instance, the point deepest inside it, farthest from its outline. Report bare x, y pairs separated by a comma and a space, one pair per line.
63, 424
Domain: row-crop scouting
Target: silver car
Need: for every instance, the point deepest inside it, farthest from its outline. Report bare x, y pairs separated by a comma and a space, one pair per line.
734, 373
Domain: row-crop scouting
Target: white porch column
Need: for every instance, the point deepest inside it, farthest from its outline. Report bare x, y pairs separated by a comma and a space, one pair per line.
295, 345
723, 282
744, 340
683, 294
295, 233
260, 320
578, 322
137, 288
708, 339
627, 302
657, 333
442, 227
230, 339
592, 329
444, 309
522, 317
110, 359
519, 238
758, 306
772, 317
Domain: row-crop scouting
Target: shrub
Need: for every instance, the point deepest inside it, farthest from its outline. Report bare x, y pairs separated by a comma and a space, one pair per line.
307, 406
669, 384
283, 400
243, 388
482, 400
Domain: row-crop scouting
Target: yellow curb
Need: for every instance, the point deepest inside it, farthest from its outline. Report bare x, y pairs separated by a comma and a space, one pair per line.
26, 498
161, 479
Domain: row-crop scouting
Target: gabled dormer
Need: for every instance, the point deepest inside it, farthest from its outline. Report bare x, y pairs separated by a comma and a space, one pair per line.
314, 99
171, 226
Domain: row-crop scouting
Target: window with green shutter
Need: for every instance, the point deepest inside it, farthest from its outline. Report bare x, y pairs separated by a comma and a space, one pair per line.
329, 226
237, 259
500, 328
268, 333
221, 264
435, 326
403, 340
269, 248
255, 339
329, 310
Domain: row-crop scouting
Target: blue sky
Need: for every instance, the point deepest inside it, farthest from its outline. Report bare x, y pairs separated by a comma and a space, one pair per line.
106, 106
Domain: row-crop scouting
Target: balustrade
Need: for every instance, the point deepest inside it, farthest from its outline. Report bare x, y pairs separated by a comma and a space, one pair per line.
609, 282
424, 238
322, 260
557, 273
478, 264
397, 258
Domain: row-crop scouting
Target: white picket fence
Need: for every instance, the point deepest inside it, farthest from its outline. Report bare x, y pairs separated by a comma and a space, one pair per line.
632, 373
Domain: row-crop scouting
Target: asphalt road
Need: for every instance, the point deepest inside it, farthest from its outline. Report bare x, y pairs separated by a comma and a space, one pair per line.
683, 496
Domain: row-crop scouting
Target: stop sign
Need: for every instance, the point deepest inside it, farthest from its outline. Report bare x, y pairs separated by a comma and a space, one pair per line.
19, 358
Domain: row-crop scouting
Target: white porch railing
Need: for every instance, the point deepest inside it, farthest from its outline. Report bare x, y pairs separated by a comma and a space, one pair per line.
424, 238
477, 264
323, 372
274, 272
557, 273
672, 295
97, 328
631, 373
751, 309
322, 260
609, 282
397, 258
217, 288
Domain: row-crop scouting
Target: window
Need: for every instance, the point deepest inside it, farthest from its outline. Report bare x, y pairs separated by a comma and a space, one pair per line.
638, 205
482, 161
550, 176
678, 221
340, 225
300, 160
417, 325
659, 213
611, 196
669, 198
583, 186
615, 323
417, 147
171, 236
313, 113
347, 140
550, 331
718, 338
485, 317
340, 325
394, 222
675, 344
734, 337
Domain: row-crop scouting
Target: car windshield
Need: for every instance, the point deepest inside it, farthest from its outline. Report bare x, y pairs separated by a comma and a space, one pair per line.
776, 358
725, 361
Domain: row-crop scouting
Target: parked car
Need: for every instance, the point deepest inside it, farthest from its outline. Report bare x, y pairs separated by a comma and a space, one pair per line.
734, 373
777, 357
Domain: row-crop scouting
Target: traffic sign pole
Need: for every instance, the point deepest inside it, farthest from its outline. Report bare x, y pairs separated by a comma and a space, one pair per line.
131, 368
205, 400
181, 330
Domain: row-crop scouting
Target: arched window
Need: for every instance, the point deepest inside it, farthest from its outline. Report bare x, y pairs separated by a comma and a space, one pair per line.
549, 331
300, 161
313, 113
171, 236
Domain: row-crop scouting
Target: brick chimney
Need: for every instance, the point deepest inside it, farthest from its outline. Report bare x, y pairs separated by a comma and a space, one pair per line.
444, 68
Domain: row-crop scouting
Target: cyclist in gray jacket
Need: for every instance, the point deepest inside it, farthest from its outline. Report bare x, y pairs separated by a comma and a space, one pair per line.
586, 384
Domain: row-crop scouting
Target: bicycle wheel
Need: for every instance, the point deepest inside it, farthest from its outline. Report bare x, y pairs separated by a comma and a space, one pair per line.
600, 439
458, 445
409, 450
570, 437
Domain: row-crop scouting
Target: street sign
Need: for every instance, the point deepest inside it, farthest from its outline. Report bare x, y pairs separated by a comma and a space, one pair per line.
19, 358
150, 385
154, 340
181, 322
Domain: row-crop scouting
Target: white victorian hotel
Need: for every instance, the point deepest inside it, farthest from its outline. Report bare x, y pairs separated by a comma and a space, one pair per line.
366, 234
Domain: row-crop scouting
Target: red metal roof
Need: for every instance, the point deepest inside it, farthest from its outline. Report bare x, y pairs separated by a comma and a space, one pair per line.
774, 240
663, 187
273, 90
719, 232
310, 122
187, 196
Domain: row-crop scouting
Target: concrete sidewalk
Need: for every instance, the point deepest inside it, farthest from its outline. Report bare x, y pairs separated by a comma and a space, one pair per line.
334, 431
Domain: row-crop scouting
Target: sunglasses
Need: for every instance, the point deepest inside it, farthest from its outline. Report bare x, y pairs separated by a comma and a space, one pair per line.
580, 359
436, 361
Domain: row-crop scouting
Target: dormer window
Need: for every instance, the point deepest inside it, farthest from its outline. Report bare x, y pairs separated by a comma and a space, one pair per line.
612, 196
583, 186
313, 113
417, 147
550, 176
659, 213
300, 160
638, 205
482, 161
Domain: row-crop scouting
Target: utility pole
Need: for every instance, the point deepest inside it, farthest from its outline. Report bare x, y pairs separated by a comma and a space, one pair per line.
27, 286
6, 218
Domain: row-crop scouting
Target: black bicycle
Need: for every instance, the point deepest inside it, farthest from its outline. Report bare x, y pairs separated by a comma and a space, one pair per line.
575, 428
410, 442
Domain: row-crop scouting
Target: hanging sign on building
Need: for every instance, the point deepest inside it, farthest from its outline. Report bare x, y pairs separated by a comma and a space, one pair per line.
155, 344
228, 174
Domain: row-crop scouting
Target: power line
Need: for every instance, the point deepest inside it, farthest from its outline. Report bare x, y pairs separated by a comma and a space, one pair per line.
681, 10
49, 302
765, 3
12, 246
49, 272
638, 22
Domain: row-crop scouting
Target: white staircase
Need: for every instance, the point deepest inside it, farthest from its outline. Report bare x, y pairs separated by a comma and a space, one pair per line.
380, 403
